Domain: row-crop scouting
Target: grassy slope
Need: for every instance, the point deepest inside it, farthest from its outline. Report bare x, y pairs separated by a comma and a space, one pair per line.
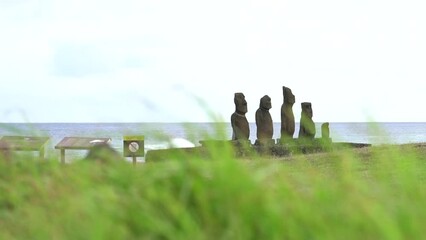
370, 193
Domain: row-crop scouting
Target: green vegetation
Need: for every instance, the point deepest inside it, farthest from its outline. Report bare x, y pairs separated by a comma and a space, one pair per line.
375, 193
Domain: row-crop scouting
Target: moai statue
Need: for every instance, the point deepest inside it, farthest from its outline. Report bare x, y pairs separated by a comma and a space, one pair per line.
264, 124
240, 125
307, 125
287, 116
325, 131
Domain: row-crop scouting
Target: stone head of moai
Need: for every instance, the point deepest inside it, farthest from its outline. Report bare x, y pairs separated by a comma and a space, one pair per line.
265, 103
307, 109
240, 103
289, 97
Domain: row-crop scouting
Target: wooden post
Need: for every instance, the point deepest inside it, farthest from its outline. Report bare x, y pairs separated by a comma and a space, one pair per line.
134, 160
41, 153
62, 155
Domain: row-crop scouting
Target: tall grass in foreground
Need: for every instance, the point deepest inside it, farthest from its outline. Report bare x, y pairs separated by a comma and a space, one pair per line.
368, 194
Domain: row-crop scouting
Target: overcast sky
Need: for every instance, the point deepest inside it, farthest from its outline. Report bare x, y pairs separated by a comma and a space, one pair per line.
175, 61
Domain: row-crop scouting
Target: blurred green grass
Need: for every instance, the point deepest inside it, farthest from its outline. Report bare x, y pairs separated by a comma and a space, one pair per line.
370, 193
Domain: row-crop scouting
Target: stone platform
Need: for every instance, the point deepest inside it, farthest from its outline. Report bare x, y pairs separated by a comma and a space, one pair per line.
276, 148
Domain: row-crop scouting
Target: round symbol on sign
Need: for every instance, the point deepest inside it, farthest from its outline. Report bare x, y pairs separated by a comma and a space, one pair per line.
133, 147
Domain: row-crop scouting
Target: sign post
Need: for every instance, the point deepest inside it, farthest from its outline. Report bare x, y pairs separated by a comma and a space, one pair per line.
133, 146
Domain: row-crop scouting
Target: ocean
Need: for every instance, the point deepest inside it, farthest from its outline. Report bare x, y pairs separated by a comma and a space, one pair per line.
166, 135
